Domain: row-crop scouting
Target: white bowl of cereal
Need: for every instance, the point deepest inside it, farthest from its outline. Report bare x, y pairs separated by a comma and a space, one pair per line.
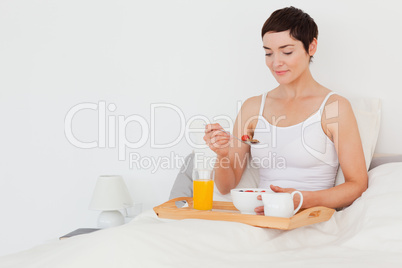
245, 199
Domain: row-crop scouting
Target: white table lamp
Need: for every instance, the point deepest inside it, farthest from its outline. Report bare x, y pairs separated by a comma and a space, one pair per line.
110, 195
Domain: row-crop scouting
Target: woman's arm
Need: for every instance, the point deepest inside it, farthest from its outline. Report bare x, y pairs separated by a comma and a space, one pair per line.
340, 125
232, 155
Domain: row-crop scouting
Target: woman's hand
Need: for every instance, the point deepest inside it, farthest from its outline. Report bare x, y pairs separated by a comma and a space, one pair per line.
277, 189
218, 141
296, 197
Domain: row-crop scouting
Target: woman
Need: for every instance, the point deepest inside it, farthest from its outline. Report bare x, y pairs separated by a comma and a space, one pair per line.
305, 130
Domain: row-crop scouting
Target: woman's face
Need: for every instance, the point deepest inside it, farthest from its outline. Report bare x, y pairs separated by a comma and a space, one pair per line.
285, 56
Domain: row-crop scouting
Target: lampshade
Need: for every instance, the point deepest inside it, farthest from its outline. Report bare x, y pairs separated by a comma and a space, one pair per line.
110, 193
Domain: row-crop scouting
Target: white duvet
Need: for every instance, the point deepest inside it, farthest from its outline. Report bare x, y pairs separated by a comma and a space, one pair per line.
366, 234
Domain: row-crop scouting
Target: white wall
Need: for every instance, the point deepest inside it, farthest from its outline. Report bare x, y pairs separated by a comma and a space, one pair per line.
201, 57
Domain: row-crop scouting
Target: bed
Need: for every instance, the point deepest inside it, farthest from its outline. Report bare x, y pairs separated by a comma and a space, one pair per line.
366, 234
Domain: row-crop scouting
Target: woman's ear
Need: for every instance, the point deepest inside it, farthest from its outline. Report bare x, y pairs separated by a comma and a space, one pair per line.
313, 47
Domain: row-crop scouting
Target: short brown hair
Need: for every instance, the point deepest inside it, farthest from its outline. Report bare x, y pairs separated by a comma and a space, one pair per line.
302, 27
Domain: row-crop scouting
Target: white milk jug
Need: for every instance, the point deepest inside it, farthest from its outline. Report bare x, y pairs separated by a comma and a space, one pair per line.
280, 204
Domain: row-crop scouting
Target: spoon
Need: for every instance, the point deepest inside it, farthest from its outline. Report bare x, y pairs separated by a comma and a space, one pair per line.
250, 142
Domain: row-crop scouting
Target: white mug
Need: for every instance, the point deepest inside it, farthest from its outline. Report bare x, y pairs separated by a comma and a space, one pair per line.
280, 204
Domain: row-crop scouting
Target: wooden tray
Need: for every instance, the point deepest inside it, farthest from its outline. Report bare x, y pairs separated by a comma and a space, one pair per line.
226, 211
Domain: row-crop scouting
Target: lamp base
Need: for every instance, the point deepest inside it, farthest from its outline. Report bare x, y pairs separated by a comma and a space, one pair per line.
110, 218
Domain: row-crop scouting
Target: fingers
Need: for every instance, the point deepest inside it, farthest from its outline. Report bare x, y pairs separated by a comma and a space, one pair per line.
215, 138
211, 127
259, 210
219, 142
276, 189
217, 133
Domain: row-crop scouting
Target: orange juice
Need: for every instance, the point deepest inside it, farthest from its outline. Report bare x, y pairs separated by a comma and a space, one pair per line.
203, 191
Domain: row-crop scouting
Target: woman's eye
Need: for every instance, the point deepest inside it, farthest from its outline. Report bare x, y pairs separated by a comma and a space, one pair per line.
287, 53
269, 54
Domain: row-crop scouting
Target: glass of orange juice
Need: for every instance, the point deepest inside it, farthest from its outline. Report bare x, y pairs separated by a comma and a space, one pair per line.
203, 188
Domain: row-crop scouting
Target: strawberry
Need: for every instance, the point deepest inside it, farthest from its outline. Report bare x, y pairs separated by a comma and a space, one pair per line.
245, 138
249, 191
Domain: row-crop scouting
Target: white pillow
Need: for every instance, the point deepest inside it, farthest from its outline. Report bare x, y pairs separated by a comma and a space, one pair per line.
368, 116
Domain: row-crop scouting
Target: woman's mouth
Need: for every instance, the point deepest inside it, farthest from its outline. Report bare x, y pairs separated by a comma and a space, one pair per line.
280, 72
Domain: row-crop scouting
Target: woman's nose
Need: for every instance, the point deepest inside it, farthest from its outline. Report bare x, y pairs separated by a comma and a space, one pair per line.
277, 62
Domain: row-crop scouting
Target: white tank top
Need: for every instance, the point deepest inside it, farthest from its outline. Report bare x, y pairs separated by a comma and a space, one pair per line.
299, 156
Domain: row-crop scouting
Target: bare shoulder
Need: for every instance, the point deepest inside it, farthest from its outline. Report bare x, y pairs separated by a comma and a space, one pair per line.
251, 106
252, 101
337, 106
337, 114
336, 97
247, 118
